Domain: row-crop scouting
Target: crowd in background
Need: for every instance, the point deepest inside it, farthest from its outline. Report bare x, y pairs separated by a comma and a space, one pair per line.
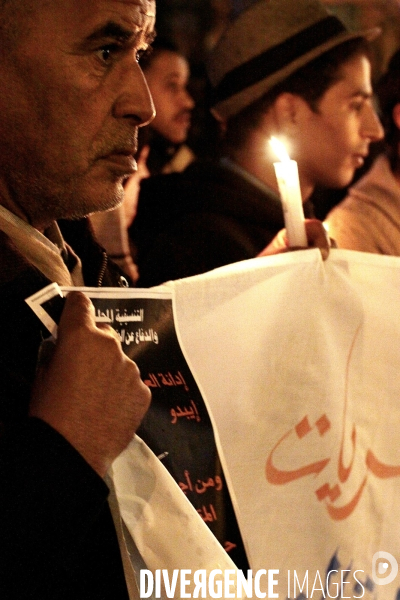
194, 26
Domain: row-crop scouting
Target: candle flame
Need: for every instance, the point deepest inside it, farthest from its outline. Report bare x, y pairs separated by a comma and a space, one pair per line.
279, 149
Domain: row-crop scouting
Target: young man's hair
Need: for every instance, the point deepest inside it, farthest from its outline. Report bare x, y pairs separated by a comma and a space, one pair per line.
309, 82
158, 46
388, 95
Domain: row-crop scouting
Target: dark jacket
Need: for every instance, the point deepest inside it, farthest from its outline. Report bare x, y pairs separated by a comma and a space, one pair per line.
205, 217
57, 536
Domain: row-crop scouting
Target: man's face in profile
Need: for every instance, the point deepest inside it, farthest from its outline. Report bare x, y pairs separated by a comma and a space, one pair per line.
334, 140
75, 96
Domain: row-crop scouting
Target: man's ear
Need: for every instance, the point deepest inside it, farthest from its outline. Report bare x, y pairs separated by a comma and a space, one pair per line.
289, 108
396, 115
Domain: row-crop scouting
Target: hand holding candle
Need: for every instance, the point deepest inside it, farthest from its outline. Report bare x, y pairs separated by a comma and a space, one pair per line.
287, 176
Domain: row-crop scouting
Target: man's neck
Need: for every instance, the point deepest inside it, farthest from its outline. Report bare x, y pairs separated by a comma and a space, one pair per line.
11, 205
15, 208
258, 160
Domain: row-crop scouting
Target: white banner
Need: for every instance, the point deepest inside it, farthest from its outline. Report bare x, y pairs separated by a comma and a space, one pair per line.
298, 362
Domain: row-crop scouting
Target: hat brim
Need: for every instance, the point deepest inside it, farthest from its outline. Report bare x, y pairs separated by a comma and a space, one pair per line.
227, 108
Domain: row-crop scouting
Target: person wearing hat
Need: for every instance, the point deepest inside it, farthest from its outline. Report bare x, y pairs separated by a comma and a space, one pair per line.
286, 69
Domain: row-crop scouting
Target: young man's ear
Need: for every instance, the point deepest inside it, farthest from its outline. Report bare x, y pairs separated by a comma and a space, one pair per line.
289, 110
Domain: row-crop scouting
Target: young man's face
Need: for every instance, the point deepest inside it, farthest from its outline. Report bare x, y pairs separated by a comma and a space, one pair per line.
334, 141
167, 77
75, 97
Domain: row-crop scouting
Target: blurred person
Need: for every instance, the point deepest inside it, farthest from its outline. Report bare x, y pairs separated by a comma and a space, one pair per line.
167, 73
74, 98
287, 70
368, 219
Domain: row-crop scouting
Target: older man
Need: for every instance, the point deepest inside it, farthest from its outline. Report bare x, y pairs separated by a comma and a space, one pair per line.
73, 97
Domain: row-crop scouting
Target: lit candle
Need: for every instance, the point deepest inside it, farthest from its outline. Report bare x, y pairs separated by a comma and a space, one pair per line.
287, 176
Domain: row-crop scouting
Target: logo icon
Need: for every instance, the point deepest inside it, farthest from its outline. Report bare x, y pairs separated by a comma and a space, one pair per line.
384, 568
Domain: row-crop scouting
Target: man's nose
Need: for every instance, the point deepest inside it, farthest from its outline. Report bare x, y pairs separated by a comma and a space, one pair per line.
372, 127
189, 102
134, 100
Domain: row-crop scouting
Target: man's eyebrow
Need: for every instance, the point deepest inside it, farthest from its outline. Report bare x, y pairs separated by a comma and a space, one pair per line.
149, 37
111, 30
364, 94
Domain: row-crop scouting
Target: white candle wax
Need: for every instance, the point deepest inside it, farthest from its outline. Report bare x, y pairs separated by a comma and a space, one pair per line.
287, 176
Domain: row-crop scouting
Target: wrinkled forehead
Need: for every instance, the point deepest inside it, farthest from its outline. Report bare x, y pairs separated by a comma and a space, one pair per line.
138, 14
77, 19
145, 11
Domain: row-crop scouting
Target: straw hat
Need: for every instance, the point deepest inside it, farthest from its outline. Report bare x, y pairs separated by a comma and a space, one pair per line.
266, 43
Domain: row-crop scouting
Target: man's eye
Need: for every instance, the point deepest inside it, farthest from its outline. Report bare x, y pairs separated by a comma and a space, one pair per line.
105, 53
173, 87
358, 105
